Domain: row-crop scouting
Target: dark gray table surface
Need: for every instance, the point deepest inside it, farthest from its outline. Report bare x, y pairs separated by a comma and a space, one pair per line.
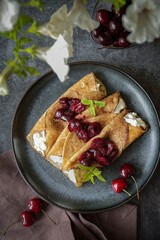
141, 62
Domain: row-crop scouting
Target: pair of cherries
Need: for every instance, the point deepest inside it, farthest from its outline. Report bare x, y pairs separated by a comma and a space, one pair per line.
120, 184
28, 217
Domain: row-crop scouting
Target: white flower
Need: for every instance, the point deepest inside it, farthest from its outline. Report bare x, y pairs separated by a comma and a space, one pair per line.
142, 19
9, 11
61, 20
57, 56
3, 80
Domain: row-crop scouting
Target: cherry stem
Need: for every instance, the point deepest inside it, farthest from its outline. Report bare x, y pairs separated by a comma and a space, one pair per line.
136, 186
10, 226
110, 45
126, 192
48, 216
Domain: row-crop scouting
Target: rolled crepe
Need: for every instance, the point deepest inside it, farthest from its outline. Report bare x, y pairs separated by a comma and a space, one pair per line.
46, 131
119, 131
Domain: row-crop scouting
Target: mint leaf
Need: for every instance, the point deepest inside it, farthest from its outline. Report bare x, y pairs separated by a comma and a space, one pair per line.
92, 172
92, 109
85, 101
90, 103
84, 167
92, 179
99, 103
87, 177
101, 178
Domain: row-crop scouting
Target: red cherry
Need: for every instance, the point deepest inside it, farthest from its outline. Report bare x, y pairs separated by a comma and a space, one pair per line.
96, 32
97, 143
103, 16
103, 161
119, 13
110, 146
83, 135
94, 129
106, 38
64, 102
96, 153
35, 205
27, 218
86, 158
119, 184
73, 100
77, 107
127, 170
86, 154
86, 162
122, 41
115, 26
74, 125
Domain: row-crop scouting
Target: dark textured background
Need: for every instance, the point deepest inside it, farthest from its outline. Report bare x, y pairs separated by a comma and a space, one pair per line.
141, 62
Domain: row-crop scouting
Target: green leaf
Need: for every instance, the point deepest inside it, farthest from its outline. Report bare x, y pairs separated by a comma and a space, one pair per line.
87, 177
118, 3
24, 40
31, 70
92, 172
92, 109
85, 167
30, 50
99, 103
101, 178
84, 1
92, 179
85, 101
23, 20
11, 34
33, 29
34, 3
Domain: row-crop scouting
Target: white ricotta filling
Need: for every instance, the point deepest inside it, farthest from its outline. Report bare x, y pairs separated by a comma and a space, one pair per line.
134, 120
71, 175
57, 161
39, 142
97, 86
121, 105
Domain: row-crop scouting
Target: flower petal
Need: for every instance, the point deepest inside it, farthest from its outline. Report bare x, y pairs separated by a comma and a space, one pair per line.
9, 11
79, 17
57, 24
58, 55
142, 19
3, 80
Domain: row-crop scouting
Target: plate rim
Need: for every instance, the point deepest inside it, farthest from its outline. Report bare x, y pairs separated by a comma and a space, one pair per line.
21, 171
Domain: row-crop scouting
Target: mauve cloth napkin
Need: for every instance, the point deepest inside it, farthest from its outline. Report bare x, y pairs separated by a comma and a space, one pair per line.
117, 224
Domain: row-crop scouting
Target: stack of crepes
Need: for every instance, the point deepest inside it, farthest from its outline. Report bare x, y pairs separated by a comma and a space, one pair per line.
51, 138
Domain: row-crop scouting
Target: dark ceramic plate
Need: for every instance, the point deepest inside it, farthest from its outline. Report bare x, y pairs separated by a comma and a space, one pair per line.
48, 181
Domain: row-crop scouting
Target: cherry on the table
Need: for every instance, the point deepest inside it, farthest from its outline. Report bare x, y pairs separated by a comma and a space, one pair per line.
120, 185
126, 171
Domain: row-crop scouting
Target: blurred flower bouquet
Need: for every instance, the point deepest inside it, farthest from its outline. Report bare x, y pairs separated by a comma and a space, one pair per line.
141, 19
